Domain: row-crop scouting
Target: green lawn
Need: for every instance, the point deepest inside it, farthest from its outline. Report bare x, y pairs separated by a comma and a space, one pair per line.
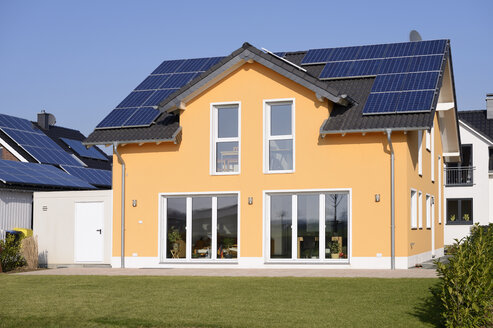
94, 301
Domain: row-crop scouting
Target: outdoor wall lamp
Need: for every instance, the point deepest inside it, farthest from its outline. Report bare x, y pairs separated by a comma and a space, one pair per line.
250, 200
134, 203
377, 198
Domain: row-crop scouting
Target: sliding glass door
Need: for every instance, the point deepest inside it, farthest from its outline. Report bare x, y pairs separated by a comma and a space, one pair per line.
199, 227
307, 226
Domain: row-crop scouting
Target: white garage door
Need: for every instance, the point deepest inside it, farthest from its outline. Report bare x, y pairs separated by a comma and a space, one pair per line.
89, 234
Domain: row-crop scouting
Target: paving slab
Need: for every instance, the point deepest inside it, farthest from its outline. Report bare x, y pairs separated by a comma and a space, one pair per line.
332, 273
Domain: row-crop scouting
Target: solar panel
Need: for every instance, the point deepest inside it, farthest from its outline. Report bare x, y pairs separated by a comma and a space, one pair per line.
158, 96
136, 109
317, 56
337, 69
32, 174
117, 117
392, 82
152, 82
135, 99
168, 66
35, 142
96, 177
81, 150
372, 51
382, 103
416, 101
142, 116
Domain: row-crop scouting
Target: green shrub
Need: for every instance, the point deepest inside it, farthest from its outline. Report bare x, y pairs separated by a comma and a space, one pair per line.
466, 282
11, 257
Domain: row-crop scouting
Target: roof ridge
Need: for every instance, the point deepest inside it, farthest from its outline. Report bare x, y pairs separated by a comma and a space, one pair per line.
378, 44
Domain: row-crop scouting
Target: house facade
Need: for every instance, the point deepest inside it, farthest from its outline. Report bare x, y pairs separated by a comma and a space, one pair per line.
257, 161
469, 184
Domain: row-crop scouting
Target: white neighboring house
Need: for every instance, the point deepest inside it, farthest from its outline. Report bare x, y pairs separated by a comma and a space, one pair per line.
469, 184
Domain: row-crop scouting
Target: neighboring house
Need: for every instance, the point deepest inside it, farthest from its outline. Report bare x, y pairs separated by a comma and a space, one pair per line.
320, 158
469, 184
39, 156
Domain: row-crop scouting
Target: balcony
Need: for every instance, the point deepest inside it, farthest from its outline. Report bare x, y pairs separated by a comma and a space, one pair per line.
459, 176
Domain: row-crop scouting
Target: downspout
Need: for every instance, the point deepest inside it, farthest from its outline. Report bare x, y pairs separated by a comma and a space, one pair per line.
120, 160
392, 206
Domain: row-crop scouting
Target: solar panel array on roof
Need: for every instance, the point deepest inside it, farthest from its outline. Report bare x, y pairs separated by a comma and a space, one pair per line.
32, 174
139, 107
95, 177
407, 74
35, 142
81, 150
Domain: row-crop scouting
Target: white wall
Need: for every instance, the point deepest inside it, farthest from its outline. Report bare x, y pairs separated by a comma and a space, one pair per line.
479, 192
54, 224
15, 210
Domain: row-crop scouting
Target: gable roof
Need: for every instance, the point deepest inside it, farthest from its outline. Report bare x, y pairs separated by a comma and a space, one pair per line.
478, 120
350, 94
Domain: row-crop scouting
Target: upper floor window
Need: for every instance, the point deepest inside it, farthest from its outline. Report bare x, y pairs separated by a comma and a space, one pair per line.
225, 148
279, 136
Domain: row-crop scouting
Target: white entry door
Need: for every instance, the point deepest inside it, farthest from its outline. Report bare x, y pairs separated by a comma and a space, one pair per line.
89, 233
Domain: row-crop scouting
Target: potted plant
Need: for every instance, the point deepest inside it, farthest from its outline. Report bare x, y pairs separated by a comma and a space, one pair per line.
466, 217
334, 247
452, 217
174, 237
227, 244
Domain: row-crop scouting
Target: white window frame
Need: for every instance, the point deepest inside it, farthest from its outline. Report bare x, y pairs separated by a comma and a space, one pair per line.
294, 233
414, 208
268, 137
215, 139
428, 140
163, 233
432, 151
439, 190
428, 211
420, 152
420, 210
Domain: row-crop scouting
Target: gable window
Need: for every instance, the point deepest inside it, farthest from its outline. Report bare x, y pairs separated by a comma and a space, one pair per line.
459, 211
225, 148
279, 136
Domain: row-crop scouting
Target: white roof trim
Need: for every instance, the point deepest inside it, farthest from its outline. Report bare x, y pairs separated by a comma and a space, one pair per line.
475, 132
445, 106
12, 151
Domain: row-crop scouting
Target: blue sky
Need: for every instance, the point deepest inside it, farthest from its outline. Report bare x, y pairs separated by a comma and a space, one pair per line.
78, 59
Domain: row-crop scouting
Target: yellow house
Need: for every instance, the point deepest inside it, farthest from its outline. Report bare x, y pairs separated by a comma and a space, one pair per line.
327, 158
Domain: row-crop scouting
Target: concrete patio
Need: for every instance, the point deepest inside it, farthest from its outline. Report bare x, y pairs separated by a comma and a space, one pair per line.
332, 273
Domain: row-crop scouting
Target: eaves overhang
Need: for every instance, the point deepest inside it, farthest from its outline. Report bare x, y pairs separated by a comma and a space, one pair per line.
175, 138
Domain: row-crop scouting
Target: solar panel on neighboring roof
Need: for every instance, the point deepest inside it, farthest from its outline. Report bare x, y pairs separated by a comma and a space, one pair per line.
35, 142
32, 174
80, 149
95, 177
137, 108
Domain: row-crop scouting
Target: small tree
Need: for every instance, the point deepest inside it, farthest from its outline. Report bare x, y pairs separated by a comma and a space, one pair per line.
466, 282
11, 257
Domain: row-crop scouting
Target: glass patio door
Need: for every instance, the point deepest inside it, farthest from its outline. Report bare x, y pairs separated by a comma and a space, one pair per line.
307, 226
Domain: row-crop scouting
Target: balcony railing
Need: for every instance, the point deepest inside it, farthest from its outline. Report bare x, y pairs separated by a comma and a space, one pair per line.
459, 176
